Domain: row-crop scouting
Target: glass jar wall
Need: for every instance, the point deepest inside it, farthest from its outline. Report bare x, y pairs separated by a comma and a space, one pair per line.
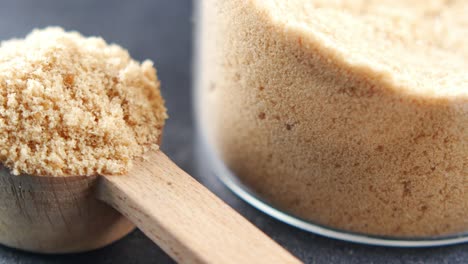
304, 129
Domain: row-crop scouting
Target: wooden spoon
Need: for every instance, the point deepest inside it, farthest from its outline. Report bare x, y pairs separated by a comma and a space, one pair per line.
62, 215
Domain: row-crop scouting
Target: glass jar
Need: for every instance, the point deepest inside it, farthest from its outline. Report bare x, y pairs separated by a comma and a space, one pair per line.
318, 140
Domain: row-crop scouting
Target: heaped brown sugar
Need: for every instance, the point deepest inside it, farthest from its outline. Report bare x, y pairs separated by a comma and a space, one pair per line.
71, 105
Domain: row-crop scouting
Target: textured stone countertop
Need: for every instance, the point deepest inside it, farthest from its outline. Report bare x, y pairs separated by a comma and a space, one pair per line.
162, 30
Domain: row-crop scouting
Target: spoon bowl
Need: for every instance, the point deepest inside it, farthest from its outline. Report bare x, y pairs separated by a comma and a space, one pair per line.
56, 214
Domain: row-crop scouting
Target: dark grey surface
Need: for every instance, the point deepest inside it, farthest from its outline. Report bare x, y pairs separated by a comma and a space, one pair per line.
161, 30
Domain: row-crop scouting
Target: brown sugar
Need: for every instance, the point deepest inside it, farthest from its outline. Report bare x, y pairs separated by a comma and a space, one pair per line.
361, 123
71, 105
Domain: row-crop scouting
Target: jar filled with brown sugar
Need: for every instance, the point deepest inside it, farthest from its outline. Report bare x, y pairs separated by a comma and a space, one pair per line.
344, 118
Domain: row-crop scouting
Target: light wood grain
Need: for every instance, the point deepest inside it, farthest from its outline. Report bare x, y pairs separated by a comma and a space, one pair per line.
186, 220
56, 214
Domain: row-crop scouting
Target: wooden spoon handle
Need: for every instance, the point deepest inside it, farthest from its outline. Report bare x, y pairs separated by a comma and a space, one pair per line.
186, 220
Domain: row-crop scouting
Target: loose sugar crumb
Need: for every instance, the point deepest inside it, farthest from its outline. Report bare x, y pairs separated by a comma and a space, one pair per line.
71, 105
